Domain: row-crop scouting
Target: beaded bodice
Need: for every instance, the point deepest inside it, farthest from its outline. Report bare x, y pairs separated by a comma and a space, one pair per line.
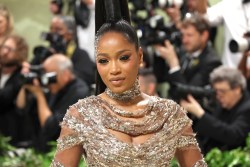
88, 122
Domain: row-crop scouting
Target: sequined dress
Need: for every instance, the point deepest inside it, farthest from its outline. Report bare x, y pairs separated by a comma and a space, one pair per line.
86, 123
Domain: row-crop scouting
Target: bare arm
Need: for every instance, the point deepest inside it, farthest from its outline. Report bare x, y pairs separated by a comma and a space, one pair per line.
69, 144
21, 99
44, 111
68, 157
190, 155
242, 65
202, 6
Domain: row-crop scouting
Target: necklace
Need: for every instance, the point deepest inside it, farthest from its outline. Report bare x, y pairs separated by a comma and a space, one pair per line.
127, 95
132, 114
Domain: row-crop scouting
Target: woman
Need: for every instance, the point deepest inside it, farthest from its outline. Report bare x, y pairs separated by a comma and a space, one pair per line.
6, 23
122, 126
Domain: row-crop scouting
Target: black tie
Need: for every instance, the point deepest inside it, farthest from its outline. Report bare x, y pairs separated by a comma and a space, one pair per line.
186, 64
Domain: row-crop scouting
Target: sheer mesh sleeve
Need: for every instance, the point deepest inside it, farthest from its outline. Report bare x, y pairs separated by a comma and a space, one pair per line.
188, 151
70, 142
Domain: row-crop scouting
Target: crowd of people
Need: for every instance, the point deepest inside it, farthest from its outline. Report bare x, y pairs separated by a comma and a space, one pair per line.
88, 52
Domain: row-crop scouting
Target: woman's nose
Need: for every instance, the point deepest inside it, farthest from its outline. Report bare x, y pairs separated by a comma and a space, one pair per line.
115, 68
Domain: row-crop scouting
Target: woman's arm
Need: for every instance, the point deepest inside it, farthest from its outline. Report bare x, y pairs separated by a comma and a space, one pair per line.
69, 144
69, 157
189, 155
243, 63
201, 6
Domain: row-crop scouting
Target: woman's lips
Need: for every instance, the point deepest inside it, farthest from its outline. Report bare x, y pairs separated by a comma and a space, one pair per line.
117, 81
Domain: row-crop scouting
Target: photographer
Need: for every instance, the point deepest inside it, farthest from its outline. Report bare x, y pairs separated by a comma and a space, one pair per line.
235, 16
61, 38
64, 92
177, 14
228, 125
13, 52
198, 59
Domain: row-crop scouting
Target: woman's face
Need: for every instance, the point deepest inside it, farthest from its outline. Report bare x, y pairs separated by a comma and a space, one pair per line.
3, 25
117, 61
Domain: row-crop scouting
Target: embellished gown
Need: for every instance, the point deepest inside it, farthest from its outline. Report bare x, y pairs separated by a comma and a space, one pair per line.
86, 123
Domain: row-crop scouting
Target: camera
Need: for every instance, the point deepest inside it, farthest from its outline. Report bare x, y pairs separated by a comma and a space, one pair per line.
57, 45
240, 45
167, 3
56, 41
150, 26
37, 72
182, 90
156, 32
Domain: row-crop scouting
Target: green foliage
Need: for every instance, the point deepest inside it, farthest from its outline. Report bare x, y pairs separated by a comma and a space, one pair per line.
233, 158
13, 157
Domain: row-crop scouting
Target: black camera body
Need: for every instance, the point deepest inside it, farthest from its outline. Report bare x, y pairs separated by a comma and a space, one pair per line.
182, 90
56, 45
56, 41
154, 31
240, 45
37, 72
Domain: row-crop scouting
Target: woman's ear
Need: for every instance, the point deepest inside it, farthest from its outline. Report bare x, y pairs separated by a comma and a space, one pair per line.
140, 56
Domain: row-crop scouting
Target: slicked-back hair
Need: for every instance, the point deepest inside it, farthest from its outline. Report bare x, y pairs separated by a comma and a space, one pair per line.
117, 23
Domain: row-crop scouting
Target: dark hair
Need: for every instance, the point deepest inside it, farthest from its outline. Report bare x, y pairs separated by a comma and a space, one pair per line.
112, 16
59, 3
122, 27
198, 21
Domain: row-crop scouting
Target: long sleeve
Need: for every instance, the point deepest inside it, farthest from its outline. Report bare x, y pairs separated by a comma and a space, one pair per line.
233, 133
9, 93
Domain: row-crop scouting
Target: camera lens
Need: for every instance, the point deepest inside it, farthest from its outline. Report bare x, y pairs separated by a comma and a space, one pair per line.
239, 45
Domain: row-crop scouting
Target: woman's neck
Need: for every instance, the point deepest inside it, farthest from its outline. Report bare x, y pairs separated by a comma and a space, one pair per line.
126, 96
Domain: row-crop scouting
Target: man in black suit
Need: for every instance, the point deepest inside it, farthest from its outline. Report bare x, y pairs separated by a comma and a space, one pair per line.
13, 52
62, 40
83, 66
66, 90
198, 59
228, 125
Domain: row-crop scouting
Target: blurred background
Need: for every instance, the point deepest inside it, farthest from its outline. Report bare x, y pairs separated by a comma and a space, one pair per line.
33, 17
30, 19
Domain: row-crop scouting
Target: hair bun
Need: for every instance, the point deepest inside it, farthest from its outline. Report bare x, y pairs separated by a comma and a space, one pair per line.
110, 11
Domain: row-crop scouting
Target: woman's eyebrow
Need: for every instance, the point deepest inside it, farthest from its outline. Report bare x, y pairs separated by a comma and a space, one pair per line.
117, 53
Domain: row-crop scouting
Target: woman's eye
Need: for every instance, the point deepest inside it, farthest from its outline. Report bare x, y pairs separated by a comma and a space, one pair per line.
124, 58
102, 61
